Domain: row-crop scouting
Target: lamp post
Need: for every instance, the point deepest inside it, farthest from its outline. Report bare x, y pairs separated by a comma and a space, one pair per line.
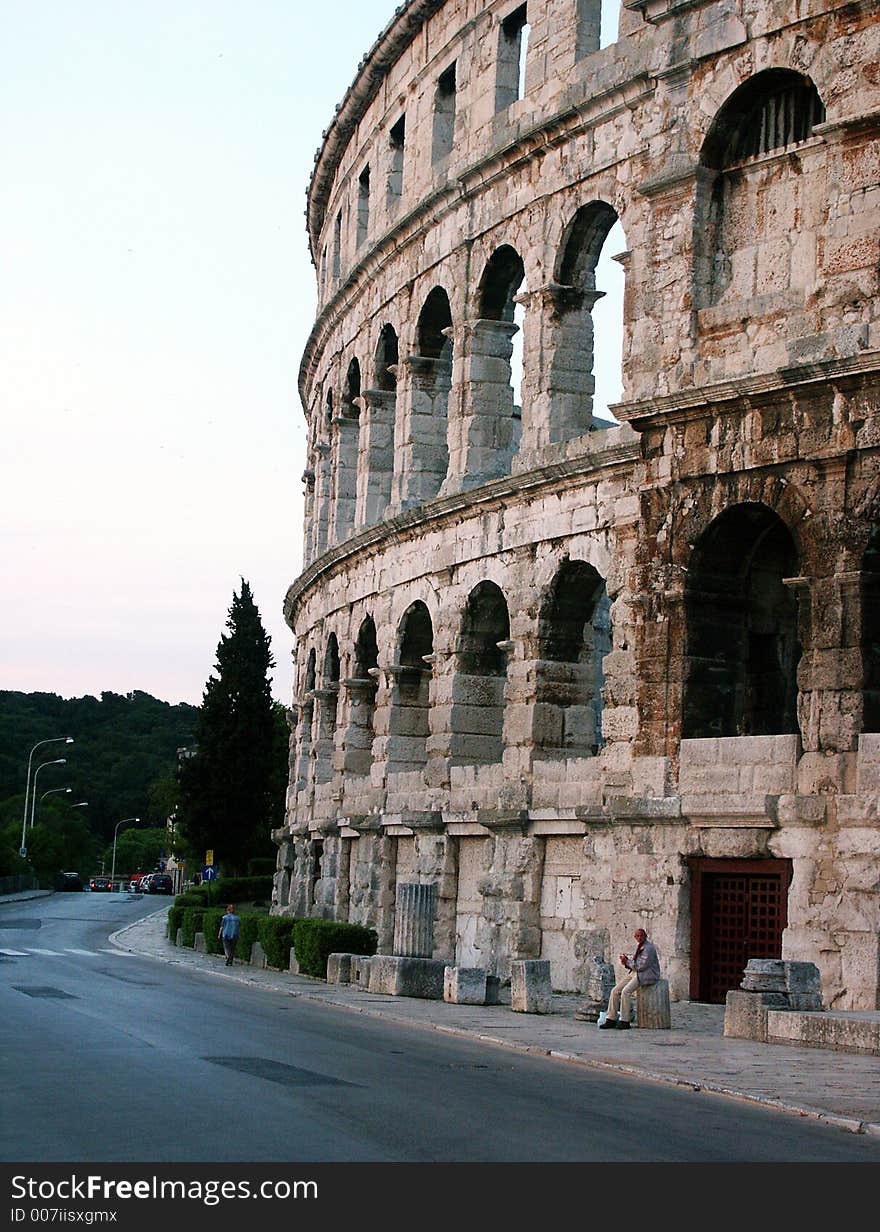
53, 791
115, 832
27, 784
59, 761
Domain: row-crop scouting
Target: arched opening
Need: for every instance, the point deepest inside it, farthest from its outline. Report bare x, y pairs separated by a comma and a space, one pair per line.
362, 688
481, 674
871, 634
328, 699
432, 380
741, 619
351, 406
387, 356
743, 248
585, 373
574, 636
410, 699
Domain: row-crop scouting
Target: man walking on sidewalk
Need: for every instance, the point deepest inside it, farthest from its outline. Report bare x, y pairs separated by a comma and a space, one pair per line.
645, 966
230, 926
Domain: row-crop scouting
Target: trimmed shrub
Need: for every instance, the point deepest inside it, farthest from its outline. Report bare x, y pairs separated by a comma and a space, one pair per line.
211, 926
315, 940
192, 898
250, 932
192, 924
276, 938
175, 917
243, 889
261, 866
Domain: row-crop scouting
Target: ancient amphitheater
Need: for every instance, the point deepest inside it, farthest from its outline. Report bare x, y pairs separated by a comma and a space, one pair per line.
584, 666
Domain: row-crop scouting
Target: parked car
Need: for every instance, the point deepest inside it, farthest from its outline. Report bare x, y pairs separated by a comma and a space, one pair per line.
143, 883
100, 883
135, 884
160, 883
68, 881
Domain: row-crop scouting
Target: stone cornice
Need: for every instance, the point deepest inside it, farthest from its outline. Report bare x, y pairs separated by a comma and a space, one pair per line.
747, 391
400, 31
449, 509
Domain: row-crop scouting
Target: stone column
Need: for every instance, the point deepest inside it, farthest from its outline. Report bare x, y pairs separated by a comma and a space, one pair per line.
485, 434
414, 921
376, 456
345, 468
321, 507
421, 449
558, 380
308, 479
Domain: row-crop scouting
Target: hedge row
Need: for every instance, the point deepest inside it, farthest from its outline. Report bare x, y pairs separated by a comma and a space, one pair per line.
312, 941
231, 890
315, 940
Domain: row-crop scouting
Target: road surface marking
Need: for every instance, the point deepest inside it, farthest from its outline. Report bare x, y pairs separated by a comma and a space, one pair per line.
121, 953
14, 953
87, 953
51, 953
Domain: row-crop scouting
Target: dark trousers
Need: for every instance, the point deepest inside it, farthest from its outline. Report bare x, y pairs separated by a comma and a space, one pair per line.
229, 944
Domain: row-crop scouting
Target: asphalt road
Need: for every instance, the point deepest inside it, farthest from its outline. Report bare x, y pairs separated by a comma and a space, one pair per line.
114, 1057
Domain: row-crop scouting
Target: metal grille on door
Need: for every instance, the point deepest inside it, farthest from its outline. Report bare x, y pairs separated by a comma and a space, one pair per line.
739, 912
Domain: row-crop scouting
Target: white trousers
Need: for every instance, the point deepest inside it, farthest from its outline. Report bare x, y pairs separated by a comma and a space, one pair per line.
619, 1002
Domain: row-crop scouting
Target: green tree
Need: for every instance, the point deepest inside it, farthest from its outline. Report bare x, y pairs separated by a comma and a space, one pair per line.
229, 784
137, 850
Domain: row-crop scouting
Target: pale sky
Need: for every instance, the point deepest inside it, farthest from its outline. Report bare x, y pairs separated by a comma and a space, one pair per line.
156, 293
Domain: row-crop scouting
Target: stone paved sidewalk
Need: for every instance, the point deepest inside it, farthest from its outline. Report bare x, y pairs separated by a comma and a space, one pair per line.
836, 1087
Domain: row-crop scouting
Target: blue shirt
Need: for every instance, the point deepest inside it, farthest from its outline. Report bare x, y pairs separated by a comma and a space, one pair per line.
229, 926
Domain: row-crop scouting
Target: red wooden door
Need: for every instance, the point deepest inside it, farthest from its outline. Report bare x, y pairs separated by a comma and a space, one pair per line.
739, 910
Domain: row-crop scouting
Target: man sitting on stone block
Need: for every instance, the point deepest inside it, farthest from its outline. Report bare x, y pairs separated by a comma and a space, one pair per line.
645, 966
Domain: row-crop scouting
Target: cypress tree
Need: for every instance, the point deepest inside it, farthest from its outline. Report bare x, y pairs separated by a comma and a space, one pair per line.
228, 786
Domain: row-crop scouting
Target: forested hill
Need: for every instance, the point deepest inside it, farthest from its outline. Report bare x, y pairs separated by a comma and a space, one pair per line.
122, 761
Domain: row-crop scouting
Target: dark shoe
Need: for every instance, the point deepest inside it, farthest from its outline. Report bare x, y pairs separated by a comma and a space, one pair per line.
609, 1024
623, 1026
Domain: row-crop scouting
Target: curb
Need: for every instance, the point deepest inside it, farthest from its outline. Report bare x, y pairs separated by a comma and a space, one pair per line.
849, 1124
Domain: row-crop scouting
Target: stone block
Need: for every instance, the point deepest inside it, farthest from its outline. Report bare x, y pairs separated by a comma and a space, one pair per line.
407, 977
339, 968
745, 1016
360, 971
178, 940
653, 1011
764, 975
530, 988
293, 965
497, 993
199, 943
464, 985
258, 956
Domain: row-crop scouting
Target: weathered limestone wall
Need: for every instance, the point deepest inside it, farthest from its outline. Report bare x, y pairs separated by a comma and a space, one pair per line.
721, 537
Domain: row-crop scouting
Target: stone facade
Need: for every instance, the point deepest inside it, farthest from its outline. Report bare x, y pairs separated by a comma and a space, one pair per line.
582, 672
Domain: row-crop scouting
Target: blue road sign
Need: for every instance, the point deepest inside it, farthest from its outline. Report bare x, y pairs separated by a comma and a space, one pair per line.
209, 873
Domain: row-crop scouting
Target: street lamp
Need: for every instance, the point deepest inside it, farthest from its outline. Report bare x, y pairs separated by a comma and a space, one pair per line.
115, 832
27, 785
59, 761
53, 790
